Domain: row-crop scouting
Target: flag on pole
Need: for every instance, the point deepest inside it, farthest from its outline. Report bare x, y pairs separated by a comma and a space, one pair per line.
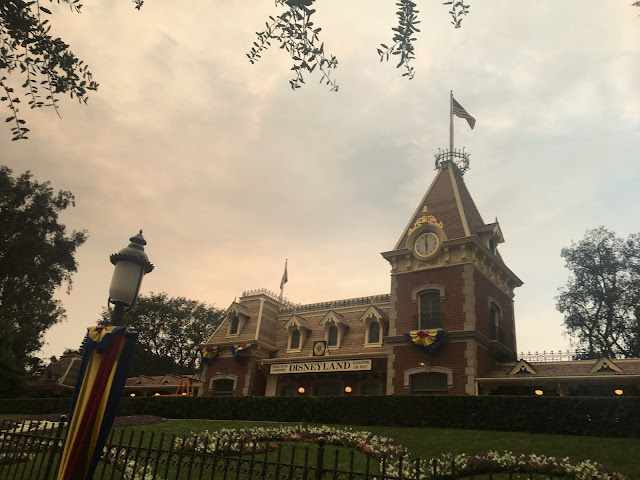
103, 371
458, 111
285, 277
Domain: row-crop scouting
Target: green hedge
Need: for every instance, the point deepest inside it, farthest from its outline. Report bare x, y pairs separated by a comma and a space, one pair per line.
596, 416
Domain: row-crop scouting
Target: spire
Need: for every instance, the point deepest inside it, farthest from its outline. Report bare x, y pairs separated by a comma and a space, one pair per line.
449, 201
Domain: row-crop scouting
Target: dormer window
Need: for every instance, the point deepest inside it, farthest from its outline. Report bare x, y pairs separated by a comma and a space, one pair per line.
373, 333
334, 329
237, 316
374, 320
297, 330
233, 328
294, 342
332, 336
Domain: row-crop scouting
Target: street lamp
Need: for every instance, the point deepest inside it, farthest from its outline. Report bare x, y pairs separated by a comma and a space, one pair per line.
131, 265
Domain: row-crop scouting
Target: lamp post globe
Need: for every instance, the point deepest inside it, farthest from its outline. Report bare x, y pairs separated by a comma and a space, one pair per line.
131, 264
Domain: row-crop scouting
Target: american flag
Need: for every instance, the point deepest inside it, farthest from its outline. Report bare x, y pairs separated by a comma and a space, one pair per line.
462, 113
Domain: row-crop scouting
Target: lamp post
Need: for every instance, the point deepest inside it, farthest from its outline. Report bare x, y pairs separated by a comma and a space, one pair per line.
131, 264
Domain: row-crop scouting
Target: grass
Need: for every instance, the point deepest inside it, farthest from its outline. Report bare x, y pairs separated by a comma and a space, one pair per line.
614, 453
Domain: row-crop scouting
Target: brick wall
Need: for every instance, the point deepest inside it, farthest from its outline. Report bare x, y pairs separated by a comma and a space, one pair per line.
448, 355
485, 289
451, 307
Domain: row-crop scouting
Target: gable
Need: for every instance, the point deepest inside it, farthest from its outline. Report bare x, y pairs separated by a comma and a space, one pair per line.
604, 365
523, 368
373, 311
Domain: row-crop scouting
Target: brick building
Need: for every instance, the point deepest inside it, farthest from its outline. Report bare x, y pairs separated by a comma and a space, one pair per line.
451, 294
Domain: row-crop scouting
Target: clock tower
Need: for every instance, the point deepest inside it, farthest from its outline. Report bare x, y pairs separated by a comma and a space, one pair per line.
451, 313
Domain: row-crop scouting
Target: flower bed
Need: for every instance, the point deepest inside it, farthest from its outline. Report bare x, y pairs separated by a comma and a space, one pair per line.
449, 466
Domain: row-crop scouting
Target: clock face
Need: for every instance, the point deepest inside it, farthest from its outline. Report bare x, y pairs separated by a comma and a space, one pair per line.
319, 348
426, 244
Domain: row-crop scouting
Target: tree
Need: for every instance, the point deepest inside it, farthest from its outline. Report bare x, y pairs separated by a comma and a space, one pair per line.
37, 256
43, 62
170, 328
601, 300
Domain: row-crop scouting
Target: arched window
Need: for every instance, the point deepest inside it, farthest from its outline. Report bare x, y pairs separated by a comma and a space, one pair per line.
332, 341
233, 329
495, 316
428, 382
374, 332
429, 311
295, 339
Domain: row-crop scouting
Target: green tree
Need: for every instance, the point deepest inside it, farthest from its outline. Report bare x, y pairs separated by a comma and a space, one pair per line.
600, 302
45, 65
170, 328
37, 256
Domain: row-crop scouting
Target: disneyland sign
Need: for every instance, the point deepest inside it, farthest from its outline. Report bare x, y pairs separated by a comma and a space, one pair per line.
321, 367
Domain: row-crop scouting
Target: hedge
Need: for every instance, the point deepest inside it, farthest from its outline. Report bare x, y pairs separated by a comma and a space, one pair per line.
595, 416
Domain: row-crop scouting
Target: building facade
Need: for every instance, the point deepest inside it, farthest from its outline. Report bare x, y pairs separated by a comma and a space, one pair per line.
447, 320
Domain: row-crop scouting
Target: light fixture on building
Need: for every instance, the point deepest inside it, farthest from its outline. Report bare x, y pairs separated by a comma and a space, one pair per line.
538, 392
421, 364
131, 265
184, 393
618, 391
348, 389
156, 394
133, 394
301, 390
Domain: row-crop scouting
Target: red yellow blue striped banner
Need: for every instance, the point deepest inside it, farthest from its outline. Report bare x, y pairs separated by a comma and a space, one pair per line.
426, 340
99, 386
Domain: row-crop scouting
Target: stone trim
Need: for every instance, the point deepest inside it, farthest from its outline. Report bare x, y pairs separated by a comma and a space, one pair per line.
427, 369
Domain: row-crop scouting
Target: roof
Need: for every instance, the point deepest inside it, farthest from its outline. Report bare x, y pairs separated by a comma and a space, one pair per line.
575, 368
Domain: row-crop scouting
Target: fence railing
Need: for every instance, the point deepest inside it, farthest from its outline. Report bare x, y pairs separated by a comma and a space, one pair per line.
32, 450
426, 321
559, 356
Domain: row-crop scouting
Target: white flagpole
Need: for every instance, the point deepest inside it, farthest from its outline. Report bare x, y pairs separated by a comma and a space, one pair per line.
451, 126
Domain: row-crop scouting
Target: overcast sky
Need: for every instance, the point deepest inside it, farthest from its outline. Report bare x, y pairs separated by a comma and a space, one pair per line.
229, 172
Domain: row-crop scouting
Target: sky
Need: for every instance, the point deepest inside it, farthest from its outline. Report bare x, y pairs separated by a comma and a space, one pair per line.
229, 172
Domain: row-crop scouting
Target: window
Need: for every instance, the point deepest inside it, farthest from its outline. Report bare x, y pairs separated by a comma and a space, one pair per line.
492, 245
370, 389
334, 329
222, 387
233, 329
295, 340
495, 316
374, 332
288, 390
429, 311
332, 340
428, 382
327, 388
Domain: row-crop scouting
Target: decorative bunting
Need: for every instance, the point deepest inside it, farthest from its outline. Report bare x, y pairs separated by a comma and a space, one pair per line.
209, 354
236, 349
426, 340
103, 372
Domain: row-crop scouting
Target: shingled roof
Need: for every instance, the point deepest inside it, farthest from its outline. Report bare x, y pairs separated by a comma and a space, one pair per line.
450, 202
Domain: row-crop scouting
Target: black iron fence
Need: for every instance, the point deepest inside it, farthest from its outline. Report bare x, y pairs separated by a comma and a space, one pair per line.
32, 450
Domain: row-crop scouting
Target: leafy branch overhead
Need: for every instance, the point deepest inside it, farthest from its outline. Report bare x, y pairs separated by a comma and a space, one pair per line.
296, 34
45, 64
